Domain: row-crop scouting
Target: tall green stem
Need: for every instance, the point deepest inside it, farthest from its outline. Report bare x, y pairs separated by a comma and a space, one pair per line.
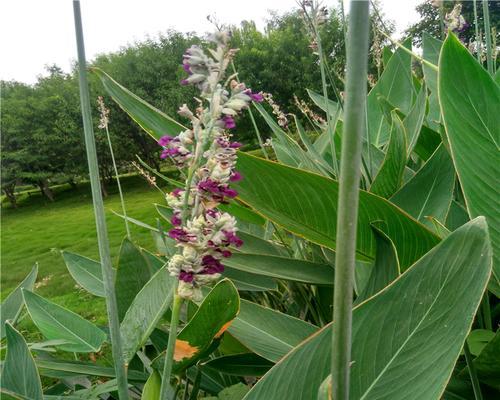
472, 372
122, 200
169, 354
476, 29
102, 234
354, 129
487, 35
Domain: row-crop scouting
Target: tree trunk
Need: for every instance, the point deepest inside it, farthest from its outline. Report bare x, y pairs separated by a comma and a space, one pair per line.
45, 189
9, 193
104, 190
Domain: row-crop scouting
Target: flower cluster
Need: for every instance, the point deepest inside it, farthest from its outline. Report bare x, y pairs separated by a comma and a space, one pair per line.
455, 21
203, 233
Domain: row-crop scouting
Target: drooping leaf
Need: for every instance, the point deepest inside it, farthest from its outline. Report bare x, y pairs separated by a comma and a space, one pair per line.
56, 322
390, 175
149, 118
384, 270
415, 118
13, 304
305, 204
319, 100
152, 387
396, 85
145, 312
64, 368
249, 282
245, 364
132, 274
407, 338
472, 122
430, 191
86, 272
282, 268
213, 317
432, 49
267, 332
19, 374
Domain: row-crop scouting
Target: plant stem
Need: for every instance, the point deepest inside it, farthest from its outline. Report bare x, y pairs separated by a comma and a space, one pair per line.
441, 19
102, 234
472, 372
169, 354
354, 128
487, 35
122, 200
486, 311
476, 29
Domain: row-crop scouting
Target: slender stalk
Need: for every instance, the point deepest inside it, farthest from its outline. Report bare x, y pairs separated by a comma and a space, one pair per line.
354, 128
486, 311
122, 200
441, 19
487, 35
476, 29
102, 235
325, 96
472, 372
169, 354
196, 385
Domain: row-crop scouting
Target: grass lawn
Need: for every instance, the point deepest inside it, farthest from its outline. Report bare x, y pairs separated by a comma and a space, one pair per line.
39, 229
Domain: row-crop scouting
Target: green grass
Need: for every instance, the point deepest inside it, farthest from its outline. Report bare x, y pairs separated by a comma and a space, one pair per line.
38, 230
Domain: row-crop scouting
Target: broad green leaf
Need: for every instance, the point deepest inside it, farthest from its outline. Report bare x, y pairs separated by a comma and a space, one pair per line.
472, 120
155, 263
427, 142
396, 85
152, 387
215, 314
56, 322
86, 272
478, 339
430, 191
242, 213
64, 368
152, 120
390, 175
132, 274
249, 282
432, 48
319, 100
487, 363
407, 338
306, 205
19, 374
233, 392
282, 268
145, 312
256, 245
384, 270
267, 332
11, 307
457, 216
246, 364
415, 118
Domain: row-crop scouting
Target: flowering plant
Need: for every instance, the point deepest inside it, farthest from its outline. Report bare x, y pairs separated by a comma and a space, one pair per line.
203, 233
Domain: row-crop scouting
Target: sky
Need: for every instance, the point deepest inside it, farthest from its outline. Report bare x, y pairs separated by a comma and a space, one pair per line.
35, 33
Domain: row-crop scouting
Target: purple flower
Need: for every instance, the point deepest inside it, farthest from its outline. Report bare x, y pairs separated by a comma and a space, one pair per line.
186, 67
257, 97
186, 276
236, 176
212, 265
233, 239
184, 82
229, 122
177, 191
175, 220
235, 145
227, 191
165, 140
178, 234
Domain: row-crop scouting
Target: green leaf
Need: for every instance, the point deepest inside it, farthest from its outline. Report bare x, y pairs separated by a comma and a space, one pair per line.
56, 322
20, 375
282, 268
152, 387
472, 122
390, 175
242, 213
267, 332
432, 49
430, 191
234, 392
415, 118
396, 85
145, 312
478, 339
86, 272
306, 205
407, 338
256, 245
427, 142
11, 307
152, 120
65, 368
319, 100
246, 364
384, 270
249, 282
215, 314
132, 274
